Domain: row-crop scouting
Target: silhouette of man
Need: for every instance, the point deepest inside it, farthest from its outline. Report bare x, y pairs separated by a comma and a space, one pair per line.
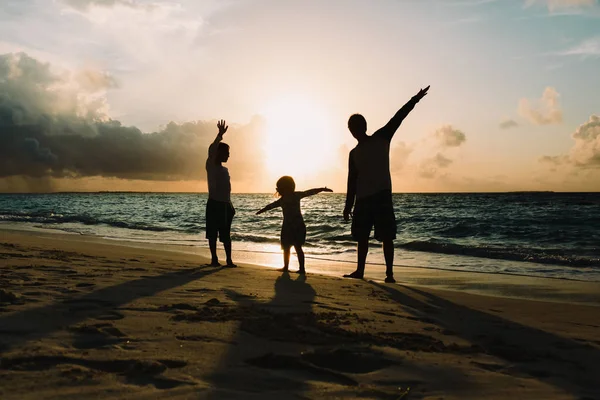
370, 183
219, 210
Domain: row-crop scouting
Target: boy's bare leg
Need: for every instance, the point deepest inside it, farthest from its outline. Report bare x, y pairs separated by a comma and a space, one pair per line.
227, 246
300, 254
212, 244
363, 250
388, 254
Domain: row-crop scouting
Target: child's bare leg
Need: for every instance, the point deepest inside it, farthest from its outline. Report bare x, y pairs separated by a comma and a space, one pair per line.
286, 258
300, 254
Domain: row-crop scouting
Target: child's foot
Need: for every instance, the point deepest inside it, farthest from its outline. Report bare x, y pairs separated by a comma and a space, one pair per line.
301, 271
355, 275
284, 269
215, 263
230, 264
390, 279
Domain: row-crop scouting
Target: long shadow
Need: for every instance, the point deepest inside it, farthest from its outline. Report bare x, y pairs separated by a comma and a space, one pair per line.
275, 321
34, 323
530, 352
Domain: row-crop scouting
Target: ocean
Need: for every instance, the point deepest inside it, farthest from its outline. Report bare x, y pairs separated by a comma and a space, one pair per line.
555, 235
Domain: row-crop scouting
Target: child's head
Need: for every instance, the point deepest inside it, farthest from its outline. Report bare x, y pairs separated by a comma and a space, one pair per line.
286, 185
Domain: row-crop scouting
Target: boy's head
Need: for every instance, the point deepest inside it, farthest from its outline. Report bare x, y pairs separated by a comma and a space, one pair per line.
222, 152
357, 124
286, 185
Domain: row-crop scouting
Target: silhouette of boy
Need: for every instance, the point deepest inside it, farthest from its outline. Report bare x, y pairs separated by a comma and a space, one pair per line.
219, 210
370, 183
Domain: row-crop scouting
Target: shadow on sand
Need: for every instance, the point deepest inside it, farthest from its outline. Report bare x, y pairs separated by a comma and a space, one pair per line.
528, 352
34, 323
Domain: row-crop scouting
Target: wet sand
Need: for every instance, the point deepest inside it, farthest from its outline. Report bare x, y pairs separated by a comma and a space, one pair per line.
87, 318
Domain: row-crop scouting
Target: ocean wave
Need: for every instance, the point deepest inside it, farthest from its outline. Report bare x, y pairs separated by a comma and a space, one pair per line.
543, 256
52, 218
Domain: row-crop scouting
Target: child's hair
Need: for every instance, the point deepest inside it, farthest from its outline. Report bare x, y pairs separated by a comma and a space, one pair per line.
285, 185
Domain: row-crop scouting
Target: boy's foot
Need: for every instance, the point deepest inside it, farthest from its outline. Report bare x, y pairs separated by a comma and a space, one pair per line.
390, 279
214, 263
230, 264
284, 269
301, 271
354, 275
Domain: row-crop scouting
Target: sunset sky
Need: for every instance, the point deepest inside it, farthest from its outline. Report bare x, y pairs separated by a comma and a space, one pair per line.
125, 94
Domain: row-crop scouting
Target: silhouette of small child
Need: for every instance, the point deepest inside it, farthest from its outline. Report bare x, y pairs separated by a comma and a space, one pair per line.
293, 229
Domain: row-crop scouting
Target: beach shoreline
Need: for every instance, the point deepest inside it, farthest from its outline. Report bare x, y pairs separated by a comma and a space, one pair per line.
89, 318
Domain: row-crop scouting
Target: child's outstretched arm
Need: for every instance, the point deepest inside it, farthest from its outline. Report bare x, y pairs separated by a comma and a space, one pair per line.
268, 207
312, 192
212, 149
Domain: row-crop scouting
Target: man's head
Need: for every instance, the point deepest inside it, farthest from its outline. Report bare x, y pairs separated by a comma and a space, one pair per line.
357, 124
222, 152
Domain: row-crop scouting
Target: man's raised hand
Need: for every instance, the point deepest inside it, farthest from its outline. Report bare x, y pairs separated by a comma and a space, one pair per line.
421, 93
222, 127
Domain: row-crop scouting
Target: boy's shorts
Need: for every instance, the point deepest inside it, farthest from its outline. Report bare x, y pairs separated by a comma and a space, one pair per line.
219, 215
376, 210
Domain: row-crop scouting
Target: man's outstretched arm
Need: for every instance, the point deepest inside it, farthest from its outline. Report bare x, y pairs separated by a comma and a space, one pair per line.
212, 149
392, 126
351, 190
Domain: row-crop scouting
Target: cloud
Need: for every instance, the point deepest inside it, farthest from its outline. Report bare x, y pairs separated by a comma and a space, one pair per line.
585, 153
83, 5
588, 48
431, 167
553, 160
56, 125
399, 155
545, 111
508, 124
561, 4
447, 136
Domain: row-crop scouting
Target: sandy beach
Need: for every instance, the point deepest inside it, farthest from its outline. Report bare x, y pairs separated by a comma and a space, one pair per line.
83, 318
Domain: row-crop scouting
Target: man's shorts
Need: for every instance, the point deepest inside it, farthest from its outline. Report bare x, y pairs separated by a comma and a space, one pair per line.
219, 215
375, 210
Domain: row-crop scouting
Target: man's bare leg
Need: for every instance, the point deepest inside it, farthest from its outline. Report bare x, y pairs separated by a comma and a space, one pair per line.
227, 246
388, 254
363, 250
212, 244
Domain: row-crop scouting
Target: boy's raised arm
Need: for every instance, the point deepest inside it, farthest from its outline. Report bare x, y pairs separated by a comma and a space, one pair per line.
212, 149
312, 192
268, 207
392, 126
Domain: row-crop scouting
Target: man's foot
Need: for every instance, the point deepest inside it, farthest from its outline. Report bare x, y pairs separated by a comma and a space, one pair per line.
355, 275
214, 263
301, 271
390, 279
230, 264
284, 269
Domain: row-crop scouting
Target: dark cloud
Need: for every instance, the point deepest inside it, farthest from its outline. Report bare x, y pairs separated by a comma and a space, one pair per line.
508, 124
54, 125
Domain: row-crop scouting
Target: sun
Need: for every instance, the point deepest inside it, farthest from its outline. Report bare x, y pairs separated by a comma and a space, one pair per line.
299, 138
